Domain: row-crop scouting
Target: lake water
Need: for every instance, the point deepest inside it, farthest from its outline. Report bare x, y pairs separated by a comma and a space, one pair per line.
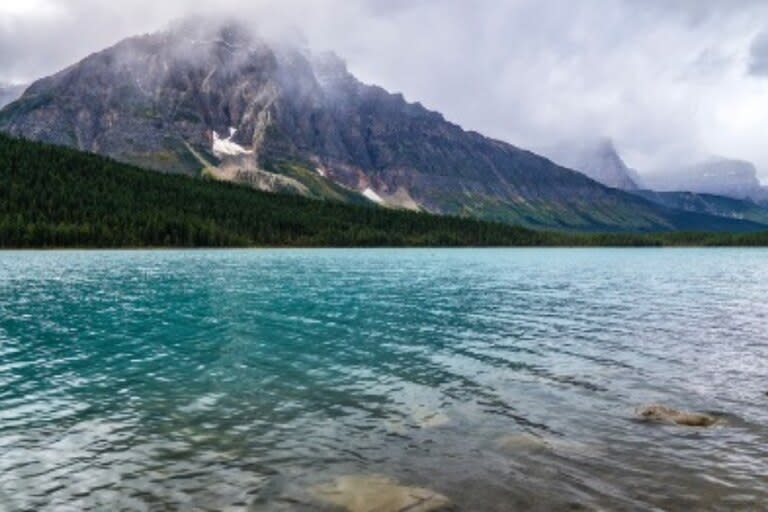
501, 379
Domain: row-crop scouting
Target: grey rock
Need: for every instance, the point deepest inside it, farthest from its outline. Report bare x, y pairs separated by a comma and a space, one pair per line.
662, 414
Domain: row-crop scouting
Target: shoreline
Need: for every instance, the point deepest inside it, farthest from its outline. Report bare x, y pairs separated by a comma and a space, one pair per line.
377, 247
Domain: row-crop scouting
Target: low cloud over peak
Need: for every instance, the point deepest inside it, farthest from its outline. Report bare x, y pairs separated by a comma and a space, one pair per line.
758, 55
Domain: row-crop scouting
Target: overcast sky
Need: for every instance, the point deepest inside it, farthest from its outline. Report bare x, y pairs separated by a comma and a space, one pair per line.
668, 80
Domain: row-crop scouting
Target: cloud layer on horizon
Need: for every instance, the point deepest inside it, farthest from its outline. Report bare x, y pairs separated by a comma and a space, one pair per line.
670, 83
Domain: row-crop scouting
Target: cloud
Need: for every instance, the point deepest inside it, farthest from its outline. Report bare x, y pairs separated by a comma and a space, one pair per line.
29, 9
664, 79
758, 55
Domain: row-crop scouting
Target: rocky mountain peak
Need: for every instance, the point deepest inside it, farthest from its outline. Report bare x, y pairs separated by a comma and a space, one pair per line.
330, 69
596, 158
200, 29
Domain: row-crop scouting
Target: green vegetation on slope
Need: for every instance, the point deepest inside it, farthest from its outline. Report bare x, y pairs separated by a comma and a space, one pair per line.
57, 197
318, 187
53, 196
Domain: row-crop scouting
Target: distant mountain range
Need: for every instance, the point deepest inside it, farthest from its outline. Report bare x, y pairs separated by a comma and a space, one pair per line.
719, 176
720, 187
599, 160
218, 101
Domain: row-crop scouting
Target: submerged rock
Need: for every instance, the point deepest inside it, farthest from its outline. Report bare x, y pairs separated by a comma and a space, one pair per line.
532, 443
662, 414
429, 418
525, 441
375, 493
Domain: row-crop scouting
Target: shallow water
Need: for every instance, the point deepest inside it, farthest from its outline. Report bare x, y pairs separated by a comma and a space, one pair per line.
502, 379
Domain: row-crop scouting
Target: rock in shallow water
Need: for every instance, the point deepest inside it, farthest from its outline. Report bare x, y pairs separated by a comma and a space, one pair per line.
428, 418
531, 443
662, 414
375, 493
525, 442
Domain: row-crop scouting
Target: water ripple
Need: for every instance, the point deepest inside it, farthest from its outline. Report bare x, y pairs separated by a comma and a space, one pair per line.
210, 380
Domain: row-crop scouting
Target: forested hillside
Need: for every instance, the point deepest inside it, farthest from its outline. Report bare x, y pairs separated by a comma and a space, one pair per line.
58, 197
54, 196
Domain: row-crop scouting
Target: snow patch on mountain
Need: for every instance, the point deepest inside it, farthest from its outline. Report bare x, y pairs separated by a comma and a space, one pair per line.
373, 196
227, 147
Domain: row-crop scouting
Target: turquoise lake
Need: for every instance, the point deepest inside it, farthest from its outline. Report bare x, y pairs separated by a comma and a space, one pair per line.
503, 379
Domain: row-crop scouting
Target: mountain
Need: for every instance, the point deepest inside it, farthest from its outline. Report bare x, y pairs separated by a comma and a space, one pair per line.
720, 206
214, 99
9, 93
718, 176
597, 159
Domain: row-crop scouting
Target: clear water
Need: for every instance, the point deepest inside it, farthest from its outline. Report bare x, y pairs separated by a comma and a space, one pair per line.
237, 380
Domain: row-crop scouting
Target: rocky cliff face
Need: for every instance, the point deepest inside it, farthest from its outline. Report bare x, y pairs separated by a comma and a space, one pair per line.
719, 176
597, 159
147, 98
219, 100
